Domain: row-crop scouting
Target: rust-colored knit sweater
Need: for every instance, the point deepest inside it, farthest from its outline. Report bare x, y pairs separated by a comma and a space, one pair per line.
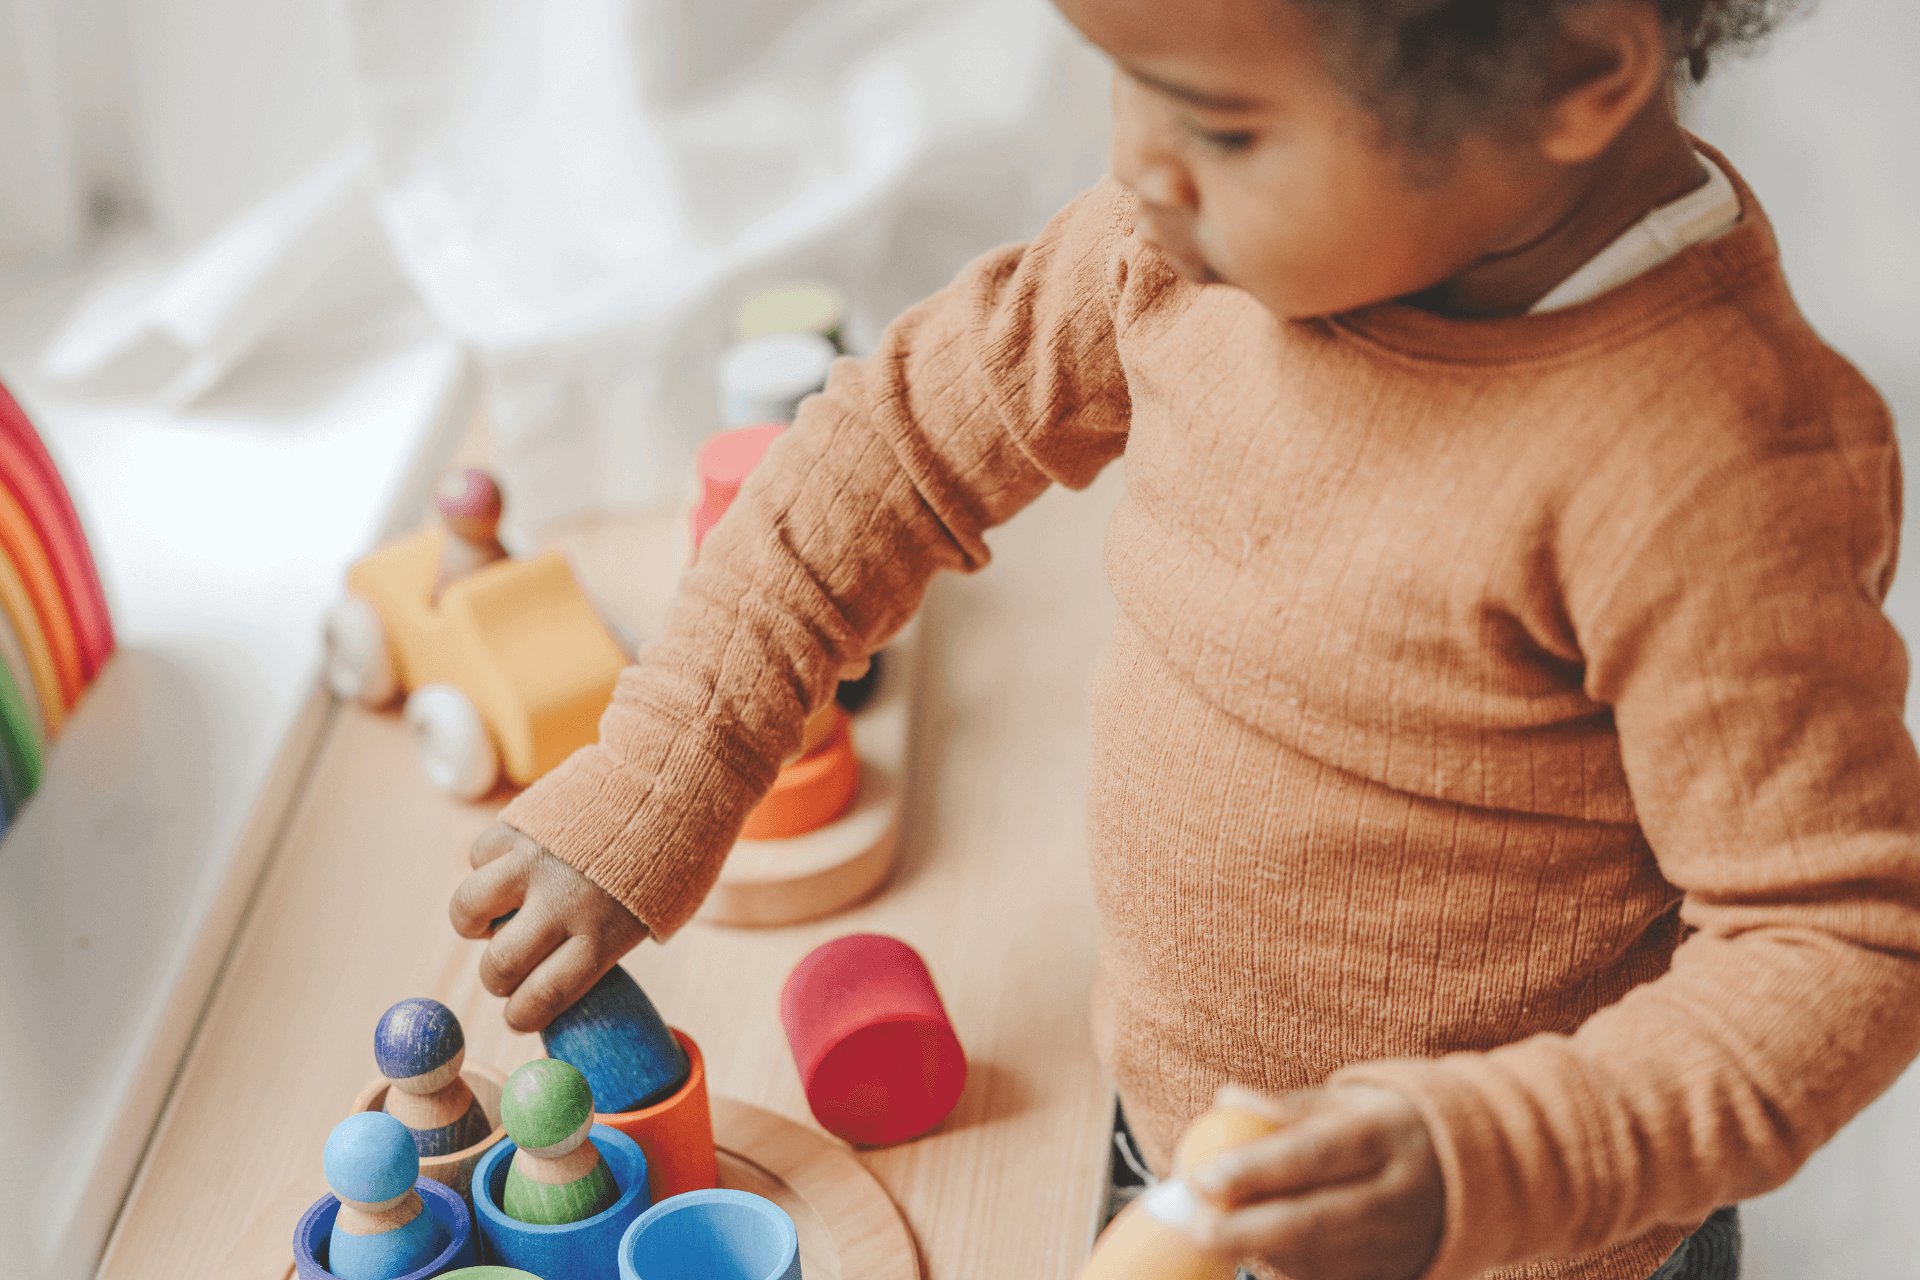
1516, 683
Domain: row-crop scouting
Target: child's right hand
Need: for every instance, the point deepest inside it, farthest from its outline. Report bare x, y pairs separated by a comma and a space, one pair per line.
567, 932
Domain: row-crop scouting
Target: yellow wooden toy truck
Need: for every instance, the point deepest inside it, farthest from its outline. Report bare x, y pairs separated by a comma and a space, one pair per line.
508, 665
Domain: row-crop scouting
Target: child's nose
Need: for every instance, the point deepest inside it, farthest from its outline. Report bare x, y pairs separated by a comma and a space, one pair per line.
1140, 157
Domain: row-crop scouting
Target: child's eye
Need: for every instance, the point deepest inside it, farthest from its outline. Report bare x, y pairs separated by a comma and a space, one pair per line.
1221, 141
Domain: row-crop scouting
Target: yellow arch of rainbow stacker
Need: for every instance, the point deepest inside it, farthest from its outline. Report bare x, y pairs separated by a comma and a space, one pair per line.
33, 639
518, 637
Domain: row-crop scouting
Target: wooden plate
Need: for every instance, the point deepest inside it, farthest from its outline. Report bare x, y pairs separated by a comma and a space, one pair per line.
849, 1228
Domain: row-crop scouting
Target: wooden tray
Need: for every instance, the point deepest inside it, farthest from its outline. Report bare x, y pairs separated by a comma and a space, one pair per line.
849, 1228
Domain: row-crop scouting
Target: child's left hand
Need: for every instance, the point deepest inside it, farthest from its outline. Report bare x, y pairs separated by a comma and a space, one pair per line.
1348, 1189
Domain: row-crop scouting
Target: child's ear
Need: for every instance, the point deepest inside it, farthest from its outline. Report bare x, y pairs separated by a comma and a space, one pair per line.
1612, 56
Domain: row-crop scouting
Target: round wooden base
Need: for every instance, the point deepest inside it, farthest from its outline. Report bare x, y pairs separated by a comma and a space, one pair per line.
769, 882
849, 1228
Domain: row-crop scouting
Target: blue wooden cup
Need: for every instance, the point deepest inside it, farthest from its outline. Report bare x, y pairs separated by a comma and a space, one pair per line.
315, 1230
583, 1250
711, 1235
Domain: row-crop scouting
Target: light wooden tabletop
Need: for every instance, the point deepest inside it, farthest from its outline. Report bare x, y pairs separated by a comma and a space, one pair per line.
991, 888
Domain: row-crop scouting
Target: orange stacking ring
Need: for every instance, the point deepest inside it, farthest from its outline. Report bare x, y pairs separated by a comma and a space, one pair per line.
810, 792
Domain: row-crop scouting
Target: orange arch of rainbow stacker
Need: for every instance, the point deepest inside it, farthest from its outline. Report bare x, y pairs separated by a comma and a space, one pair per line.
40, 533
26, 624
42, 497
23, 547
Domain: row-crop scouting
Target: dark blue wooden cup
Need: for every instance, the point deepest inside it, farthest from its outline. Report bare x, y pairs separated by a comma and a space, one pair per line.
315, 1229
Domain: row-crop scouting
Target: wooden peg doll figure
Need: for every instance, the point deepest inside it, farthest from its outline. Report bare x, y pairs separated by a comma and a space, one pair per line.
383, 1229
557, 1175
469, 504
420, 1048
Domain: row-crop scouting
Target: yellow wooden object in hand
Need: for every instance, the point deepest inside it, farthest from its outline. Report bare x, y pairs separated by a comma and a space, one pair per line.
517, 637
1139, 1246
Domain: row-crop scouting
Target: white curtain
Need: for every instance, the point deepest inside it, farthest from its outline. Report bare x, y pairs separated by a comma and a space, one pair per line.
582, 190
585, 189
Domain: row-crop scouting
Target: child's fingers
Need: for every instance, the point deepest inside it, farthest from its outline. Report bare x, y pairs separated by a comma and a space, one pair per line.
518, 949
1352, 1230
487, 894
1316, 1152
559, 980
496, 841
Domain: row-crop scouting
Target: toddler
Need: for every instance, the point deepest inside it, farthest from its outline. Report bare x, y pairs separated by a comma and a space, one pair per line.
1498, 763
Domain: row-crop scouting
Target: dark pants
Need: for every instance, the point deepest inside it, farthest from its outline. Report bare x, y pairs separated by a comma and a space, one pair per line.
1711, 1253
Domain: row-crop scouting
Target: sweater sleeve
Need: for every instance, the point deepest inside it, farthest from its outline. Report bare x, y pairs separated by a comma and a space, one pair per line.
1758, 691
975, 401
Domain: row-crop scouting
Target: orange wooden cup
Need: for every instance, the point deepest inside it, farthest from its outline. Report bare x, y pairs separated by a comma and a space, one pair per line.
676, 1135
810, 792
455, 1169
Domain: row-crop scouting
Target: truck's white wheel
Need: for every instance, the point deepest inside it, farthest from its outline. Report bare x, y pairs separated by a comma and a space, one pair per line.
358, 666
451, 740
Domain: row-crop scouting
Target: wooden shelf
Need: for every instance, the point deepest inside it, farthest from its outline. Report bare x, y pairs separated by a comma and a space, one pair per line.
990, 886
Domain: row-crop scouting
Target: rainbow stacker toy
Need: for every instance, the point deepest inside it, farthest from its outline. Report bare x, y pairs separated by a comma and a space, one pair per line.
55, 635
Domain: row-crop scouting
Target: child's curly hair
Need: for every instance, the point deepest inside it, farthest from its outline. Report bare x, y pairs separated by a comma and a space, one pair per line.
1429, 68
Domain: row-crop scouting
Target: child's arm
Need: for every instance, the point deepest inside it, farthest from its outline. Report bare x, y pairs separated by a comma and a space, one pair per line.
976, 401
1758, 692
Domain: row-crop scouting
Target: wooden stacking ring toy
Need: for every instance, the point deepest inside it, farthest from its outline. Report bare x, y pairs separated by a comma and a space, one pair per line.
454, 1169
712, 1235
449, 1210
877, 1057
676, 1133
724, 462
583, 1250
813, 790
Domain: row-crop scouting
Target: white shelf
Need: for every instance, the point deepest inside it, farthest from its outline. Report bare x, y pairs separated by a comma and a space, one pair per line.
222, 535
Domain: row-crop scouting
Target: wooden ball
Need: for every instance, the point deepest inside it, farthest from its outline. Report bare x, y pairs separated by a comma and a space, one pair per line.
546, 1103
371, 1159
469, 501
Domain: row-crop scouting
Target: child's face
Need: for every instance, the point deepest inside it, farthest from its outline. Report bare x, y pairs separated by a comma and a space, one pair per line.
1254, 168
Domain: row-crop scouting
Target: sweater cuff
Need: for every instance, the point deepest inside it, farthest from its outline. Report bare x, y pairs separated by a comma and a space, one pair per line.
652, 828
1502, 1209
1485, 1223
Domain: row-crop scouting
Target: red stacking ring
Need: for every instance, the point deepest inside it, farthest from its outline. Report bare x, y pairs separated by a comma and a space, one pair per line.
724, 462
877, 1057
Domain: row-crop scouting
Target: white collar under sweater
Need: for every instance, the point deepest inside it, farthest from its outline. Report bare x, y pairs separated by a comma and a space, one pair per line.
1698, 215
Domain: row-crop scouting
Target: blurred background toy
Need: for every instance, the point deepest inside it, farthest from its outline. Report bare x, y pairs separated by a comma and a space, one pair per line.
508, 663
55, 635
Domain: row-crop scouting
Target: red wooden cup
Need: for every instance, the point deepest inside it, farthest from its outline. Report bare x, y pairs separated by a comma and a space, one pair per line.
877, 1057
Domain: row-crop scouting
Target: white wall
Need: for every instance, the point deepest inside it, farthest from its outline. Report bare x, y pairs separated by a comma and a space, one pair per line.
1825, 125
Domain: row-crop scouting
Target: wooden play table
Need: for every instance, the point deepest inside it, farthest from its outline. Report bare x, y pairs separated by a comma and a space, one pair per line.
991, 887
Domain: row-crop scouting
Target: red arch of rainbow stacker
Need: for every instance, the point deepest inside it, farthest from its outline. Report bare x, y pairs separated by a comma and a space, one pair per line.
53, 601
